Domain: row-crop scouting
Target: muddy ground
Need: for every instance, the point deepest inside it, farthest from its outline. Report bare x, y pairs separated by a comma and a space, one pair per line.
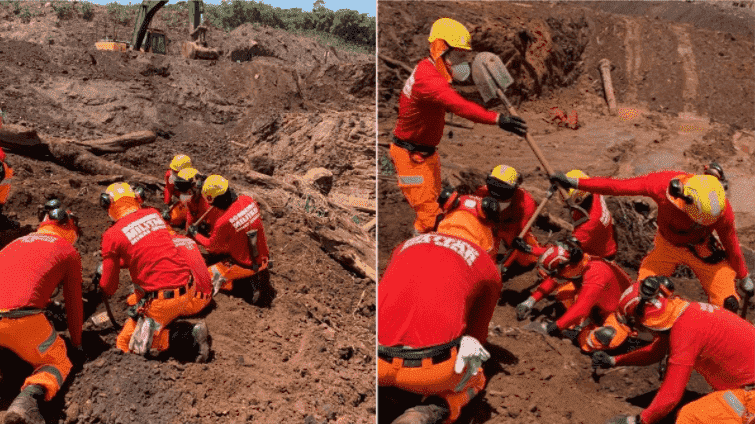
683, 78
305, 351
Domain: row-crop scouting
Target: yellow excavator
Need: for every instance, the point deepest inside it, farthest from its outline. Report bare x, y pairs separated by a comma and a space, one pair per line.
148, 39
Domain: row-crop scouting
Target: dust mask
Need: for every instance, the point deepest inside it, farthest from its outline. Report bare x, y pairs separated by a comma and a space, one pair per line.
184, 198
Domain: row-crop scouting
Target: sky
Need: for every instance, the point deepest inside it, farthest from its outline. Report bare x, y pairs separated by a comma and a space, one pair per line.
361, 6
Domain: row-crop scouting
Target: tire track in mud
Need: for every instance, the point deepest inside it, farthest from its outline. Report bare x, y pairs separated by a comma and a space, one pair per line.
633, 45
689, 68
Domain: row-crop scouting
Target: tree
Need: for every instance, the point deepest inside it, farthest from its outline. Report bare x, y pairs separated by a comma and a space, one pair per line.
318, 4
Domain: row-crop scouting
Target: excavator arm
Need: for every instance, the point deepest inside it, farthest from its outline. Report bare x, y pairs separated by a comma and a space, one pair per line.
147, 11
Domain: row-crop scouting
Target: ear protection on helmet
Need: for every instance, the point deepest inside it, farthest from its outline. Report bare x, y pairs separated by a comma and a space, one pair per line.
141, 193
105, 199
676, 189
62, 217
49, 206
448, 199
488, 209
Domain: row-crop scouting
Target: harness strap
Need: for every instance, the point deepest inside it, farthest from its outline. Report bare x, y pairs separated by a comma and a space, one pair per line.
412, 147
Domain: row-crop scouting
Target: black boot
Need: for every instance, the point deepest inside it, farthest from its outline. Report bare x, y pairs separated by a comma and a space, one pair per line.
25, 407
190, 343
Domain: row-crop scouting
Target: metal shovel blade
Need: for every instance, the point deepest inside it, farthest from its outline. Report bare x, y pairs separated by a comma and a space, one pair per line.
489, 74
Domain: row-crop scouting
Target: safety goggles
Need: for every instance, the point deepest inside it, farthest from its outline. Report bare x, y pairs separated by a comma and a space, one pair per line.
499, 190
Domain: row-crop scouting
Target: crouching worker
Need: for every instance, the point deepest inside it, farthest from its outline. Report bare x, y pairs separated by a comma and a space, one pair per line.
591, 290
174, 213
193, 257
237, 233
31, 268
140, 240
711, 340
436, 299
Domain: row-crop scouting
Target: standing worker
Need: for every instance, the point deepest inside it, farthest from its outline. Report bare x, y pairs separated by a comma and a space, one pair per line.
690, 208
6, 174
174, 213
716, 343
140, 240
238, 233
424, 101
435, 302
32, 267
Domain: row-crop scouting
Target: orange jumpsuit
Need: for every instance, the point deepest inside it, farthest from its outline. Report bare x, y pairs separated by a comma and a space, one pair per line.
424, 101
142, 241
229, 236
178, 213
677, 231
466, 221
720, 346
453, 292
31, 268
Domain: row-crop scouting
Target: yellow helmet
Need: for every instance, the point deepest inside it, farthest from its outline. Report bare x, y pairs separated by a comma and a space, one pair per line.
503, 182
214, 186
578, 196
452, 32
185, 179
702, 197
180, 162
187, 173
119, 199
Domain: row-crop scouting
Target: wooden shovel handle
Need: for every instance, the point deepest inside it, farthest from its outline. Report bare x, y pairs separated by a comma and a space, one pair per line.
510, 255
201, 218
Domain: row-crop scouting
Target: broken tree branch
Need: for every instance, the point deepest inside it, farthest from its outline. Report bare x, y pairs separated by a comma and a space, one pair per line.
396, 63
117, 144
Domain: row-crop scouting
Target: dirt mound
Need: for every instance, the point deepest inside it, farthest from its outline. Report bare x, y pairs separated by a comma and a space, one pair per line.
302, 350
676, 86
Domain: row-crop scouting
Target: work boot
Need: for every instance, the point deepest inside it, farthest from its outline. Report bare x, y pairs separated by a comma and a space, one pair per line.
423, 414
25, 407
201, 341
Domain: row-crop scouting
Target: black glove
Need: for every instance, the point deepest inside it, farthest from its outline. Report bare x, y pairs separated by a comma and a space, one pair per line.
512, 124
77, 355
570, 334
166, 214
204, 229
2, 171
625, 419
519, 244
552, 329
564, 181
600, 359
192, 231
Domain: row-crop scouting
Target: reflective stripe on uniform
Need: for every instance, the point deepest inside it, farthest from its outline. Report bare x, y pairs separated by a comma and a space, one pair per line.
735, 403
52, 371
50, 340
412, 180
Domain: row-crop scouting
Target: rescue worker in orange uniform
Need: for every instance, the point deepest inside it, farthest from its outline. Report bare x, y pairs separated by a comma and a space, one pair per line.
175, 212
238, 233
690, 208
469, 217
593, 223
32, 267
140, 240
713, 341
188, 185
424, 101
596, 287
516, 206
435, 301
6, 174
202, 277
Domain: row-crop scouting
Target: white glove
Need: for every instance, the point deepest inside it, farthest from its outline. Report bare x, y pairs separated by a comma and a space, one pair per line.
471, 356
746, 285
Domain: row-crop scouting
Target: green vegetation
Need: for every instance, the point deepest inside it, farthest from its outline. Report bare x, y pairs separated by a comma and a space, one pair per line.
121, 13
343, 29
87, 11
26, 15
16, 5
63, 9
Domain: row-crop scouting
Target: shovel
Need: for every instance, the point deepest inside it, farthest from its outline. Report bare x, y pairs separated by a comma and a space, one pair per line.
491, 78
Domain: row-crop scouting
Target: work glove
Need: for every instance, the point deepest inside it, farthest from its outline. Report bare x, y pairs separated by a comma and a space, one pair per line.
97, 276
566, 182
746, 285
512, 124
523, 309
601, 359
519, 244
548, 328
625, 419
166, 214
470, 357
192, 231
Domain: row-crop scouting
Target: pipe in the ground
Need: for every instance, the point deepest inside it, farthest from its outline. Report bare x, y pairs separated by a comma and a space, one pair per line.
605, 73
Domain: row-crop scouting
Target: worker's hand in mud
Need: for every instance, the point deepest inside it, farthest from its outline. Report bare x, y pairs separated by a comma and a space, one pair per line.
747, 286
512, 124
564, 181
166, 214
600, 359
519, 244
625, 419
192, 231
470, 357
523, 309
77, 354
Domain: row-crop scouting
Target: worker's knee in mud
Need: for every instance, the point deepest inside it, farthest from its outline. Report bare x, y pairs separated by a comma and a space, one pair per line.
731, 303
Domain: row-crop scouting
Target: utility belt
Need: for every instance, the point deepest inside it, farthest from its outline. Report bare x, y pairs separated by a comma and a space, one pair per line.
19, 313
412, 358
203, 296
749, 387
709, 251
412, 148
170, 293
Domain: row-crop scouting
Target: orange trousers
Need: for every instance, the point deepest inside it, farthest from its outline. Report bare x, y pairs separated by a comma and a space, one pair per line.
589, 343
163, 312
432, 380
721, 407
198, 303
419, 180
178, 215
717, 280
5, 184
230, 271
35, 341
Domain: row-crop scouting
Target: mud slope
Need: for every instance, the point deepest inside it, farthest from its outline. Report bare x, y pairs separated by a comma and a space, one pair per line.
303, 352
685, 91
